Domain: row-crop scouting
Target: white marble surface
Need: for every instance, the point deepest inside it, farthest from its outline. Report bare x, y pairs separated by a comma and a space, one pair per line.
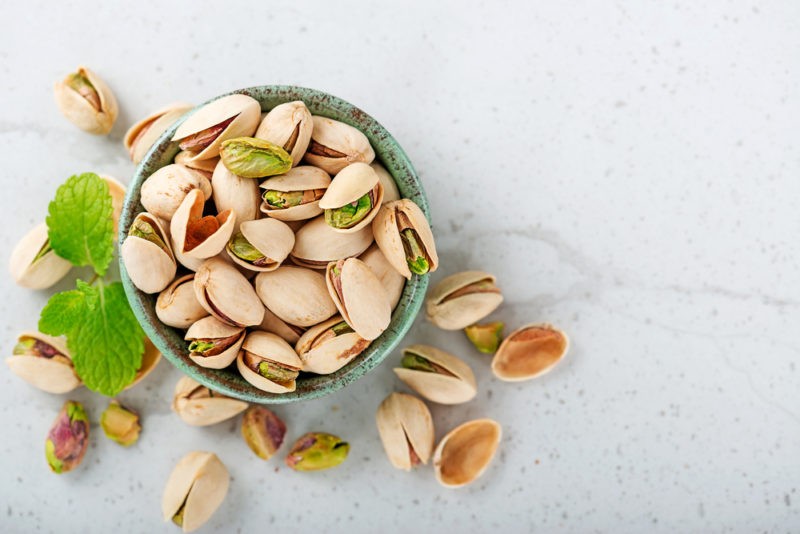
628, 170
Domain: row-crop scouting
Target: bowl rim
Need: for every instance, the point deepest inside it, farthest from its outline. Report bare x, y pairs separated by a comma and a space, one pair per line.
161, 154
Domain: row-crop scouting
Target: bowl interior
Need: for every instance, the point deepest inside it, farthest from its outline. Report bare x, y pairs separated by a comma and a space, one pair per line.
228, 381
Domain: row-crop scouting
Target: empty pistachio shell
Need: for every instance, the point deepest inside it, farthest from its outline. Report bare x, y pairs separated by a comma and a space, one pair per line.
359, 296
163, 191
390, 191
33, 264
436, 375
316, 451
392, 281
289, 126
316, 244
465, 452
178, 306
335, 145
276, 325
249, 157
263, 431
198, 236
141, 136
68, 438
240, 195
261, 245
226, 294
86, 101
406, 429
295, 195
268, 362
195, 489
199, 406
329, 346
462, 299
297, 295
528, 352
214, 344
353, 198
147, 254
187, 158
150, 359
120, 424
405, 238
485, 337
44, 362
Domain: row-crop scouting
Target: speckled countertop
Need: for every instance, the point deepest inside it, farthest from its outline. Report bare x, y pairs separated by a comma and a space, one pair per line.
628, 170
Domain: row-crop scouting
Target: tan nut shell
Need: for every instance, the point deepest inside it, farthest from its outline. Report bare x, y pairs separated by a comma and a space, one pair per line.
276, 325
204, 411
187, 159
80, 112
212, 328
366, 305
392, 281
47, 374
117, 192
437, 387
297, 179
387, 234
465, 452
201, 481
463, 311
246, 109
150, 359
163, 191
331, 355
141, 136
342, 138
390, 191
149, 267
177, 305
232, 192
190, 210
352, 183
279, 124
404, 419
271, 237
316, 244
297, 295
519, 359
230, 292
271, 347
46, 271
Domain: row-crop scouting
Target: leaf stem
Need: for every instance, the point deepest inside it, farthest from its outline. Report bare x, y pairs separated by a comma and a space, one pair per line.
95, 277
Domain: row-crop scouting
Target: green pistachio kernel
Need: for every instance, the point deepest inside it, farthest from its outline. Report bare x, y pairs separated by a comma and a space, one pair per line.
275, 372
249, 157
243, 250
145, 230
198, 345
283, 199
349, 214
415, 255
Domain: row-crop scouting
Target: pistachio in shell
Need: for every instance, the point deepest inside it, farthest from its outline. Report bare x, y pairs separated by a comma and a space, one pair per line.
226, 294
295, 195
198, 236
147, 254
353, 199
44, 362
195, 489
214, 344
68, 438
268, 362
263, 431
405, 238
296, 295
465, 452
486, 337
392, 281
462, 299
359, 296
34, 264
329, 346
249, 157
316, 451
164, 191
237, 194
334, 145
143, 134
86, 101
187, 158
390, 191
177, 305
198, 405
276, 325
406, 429
528, 352
316, 244
289, 126
120, 424
261, 245
436, 375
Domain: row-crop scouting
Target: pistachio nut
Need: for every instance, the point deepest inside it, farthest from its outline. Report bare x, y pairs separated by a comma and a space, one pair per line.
150, 359
195, 489
225, 118
120, 424
249, 157
316, 451
86, 101
226, 294
462, 299
261, 245
68, 438
353, 198
465, 452
177, 305
117, 192
334, 145
289, 126
359, 296
199, 406
406, 429
44, 362
297, 295
147, 254
390, 191
528, 352
393, 282
436, 375
295, 195
143, 134
163, 191
316, 244
268, 362
240, 195
276, 325
329, 346
187, 158
33, 264
263, 431
485, 337
214, 344
405, 238
198, 236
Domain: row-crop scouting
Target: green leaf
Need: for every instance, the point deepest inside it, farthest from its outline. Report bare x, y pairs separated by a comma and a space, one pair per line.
79, 223
62, 313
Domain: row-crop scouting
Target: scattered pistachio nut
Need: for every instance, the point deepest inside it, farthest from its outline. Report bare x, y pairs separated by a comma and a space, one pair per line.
465, 452
177, 305
406, 429
87, 101
197, 405
359, 296
195, 489
34, 264
237, 194
249, 157
295, 195
164, 191
289, 126
297, 295
528, 352
68, 438
226, 294
198, 236
214, 344
462, 299
120, 424
268, 362
334, 145
329, 346
486, 337
261, 245
405, 238
316, 244
143, 134
436, 375
316, 451
263, 431
353, 198
44, 362
147, 254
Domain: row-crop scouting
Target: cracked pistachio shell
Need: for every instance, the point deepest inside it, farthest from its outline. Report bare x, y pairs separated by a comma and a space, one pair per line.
276, 325
187, 159
302, 178
271, 347
68, 438
198, 484
289, 126
163, 191
273, 238
263, 431
322, 354
141, 136
240, 195
177, 305
296, 295
54, 374
316, 244
465, 452
386, 229
528, 352
390, 191
352, 183
95, 118
462, 299
44, 271
117, 192
199, 406
406, 429
335, 145
197, 236
150, 359
149, 267
392, 281
212, 328
363, 303
245, 109
226, 294
454, 388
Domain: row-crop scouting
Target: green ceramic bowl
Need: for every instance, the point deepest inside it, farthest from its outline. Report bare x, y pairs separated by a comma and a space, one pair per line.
228, 381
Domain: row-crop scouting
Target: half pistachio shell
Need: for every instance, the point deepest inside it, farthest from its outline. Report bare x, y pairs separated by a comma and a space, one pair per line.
151, 267
329, 346
117, 192
462, 299
297, 295
335, 145
403, 234
44, 362
141, 136
305, 185
316, 244
392, 281
237, 194
165, 190
87, 101
214, 344
390, 191
347, 190
198, 236
289, 126
195, 489
150, 359
276, 325
199, 406
270, 239
528, 352
33, 264
264, 349
359, 296
465, 452
226, 294
187, 158
447, 381
177, 305
406, 429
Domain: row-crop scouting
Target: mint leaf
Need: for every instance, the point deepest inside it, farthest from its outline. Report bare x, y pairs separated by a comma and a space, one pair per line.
79, 223
62, 313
